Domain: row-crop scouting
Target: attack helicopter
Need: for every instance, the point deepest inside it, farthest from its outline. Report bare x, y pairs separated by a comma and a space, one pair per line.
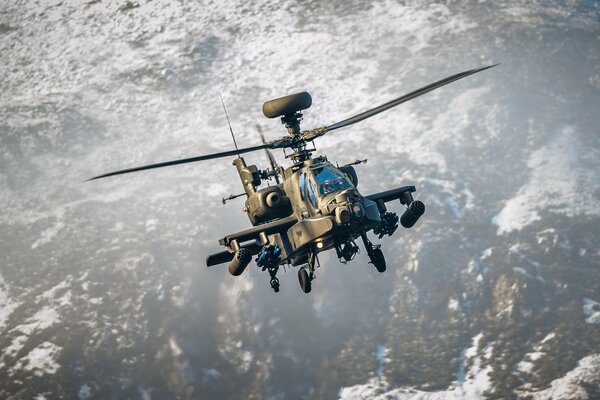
314, 205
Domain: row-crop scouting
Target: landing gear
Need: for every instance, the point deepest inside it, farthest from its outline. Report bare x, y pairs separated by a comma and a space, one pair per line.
378, 260
268, 259
275, 284
304, 279
374, 252
307, 274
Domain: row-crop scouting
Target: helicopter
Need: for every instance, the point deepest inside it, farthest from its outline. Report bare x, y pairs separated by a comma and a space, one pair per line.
314, 205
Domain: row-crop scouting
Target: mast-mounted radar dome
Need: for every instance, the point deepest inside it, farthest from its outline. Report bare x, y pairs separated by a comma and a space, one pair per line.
287, 105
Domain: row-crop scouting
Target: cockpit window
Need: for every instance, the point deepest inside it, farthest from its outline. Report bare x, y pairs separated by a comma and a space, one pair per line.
303, 186
312, 195
330, 180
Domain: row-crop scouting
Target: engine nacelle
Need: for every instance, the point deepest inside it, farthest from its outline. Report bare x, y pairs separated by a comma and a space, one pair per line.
268, 204
412, 214
240, 261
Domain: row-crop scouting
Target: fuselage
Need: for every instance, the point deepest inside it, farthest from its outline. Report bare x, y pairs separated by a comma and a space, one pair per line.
315, 208
328, 206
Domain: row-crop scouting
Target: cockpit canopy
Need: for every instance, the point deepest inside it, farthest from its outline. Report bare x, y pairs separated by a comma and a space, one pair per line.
330, 179
325, 180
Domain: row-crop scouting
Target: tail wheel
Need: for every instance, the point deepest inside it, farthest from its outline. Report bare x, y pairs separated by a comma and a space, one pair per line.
304, 280
378, 260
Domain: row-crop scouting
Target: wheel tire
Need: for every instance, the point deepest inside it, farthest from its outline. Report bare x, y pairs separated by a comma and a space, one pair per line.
275, 285
378, 260
304, 280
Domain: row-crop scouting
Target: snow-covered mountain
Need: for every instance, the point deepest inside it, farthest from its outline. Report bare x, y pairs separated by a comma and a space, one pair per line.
103, 288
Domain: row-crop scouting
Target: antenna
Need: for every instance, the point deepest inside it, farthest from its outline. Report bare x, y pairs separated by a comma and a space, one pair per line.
229, 123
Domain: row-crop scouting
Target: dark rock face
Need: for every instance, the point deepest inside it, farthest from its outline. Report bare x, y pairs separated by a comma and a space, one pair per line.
103, 291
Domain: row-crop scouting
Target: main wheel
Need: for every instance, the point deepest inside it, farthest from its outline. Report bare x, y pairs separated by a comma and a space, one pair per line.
275, 284
378, 260
304, 280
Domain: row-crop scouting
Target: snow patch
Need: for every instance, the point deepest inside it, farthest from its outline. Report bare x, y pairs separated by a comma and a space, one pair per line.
468, 385
144, 393
548, 337
569, 386
454, 304
48, 235
16, 345
85, 392
591, 309
42, 319
558, 182
246, 358
536, 355
151, 225
211, 373
51, 293
132, 263
526, 365
174, 346
41, 360
7, 305
381, 357
486, 253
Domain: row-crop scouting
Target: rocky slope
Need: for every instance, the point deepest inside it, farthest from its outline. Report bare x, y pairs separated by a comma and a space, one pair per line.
103, 291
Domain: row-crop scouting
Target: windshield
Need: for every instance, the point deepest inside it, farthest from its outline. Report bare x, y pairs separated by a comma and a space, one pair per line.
302, 185
330, 180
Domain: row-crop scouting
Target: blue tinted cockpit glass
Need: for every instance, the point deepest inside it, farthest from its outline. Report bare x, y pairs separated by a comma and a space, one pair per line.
312, 195
324, 174
330, 180
302, 185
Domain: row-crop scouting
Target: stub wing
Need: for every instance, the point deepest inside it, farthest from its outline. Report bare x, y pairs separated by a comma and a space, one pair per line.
248, 239
403, 194
414, 208
226, 256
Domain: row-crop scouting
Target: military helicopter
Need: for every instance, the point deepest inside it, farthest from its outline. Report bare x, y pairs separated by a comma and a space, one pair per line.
314, 205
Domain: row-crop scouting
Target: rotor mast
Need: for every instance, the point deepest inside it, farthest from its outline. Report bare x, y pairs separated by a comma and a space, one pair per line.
292, 124
289, 109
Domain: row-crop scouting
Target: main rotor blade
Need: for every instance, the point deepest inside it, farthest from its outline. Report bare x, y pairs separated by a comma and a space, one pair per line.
270, 145
400, 100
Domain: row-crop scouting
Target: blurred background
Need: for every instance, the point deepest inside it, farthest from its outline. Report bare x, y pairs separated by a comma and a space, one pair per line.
103, 288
